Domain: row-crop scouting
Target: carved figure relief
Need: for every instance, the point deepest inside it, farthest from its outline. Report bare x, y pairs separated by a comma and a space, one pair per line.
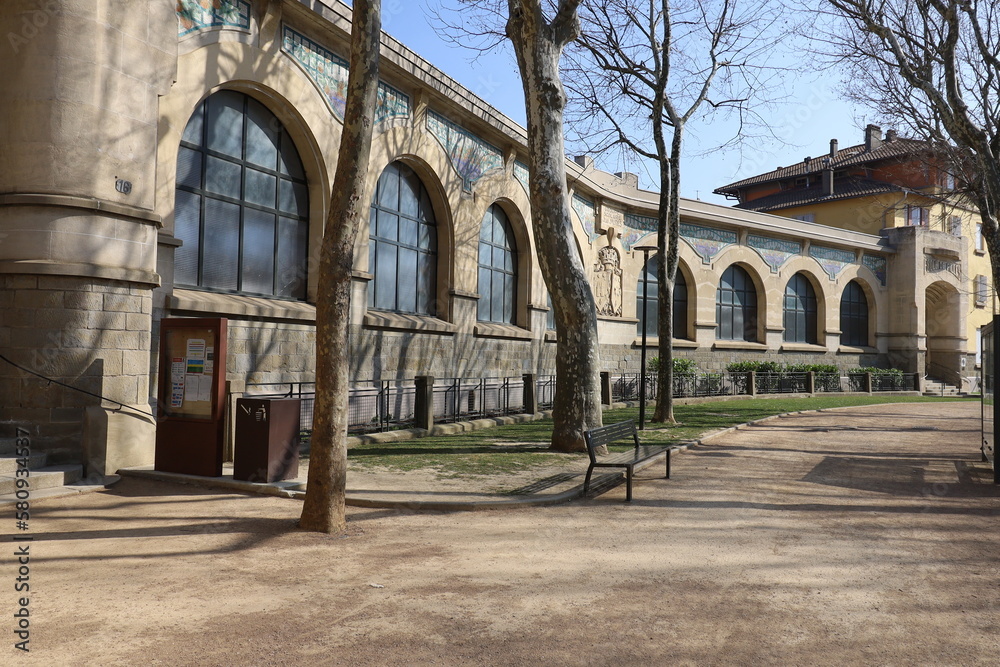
608, 281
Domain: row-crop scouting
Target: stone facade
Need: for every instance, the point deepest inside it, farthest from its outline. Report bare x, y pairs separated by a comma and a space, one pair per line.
88, 207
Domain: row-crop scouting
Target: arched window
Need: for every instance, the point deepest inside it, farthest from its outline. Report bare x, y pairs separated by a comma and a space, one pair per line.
650, 275
854, 316
497, 268
403, 244
800, 311
736, 306
241, 206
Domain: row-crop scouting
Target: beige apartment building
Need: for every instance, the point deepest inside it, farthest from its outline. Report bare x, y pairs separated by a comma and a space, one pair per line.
174, 159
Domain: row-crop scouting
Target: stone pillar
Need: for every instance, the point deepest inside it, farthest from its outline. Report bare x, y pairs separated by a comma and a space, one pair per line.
78, 222
530, 393
752, 383
606, 387
423, 403
868, 382
811, 382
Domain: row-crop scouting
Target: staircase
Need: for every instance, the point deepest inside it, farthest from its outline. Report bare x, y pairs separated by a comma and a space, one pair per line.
939, 388
45, 480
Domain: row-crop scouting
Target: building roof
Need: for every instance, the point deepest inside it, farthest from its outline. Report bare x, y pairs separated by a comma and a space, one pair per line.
846, 188
846, 157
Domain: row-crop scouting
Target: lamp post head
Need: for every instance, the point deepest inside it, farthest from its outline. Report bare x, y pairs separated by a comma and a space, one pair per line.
645, 249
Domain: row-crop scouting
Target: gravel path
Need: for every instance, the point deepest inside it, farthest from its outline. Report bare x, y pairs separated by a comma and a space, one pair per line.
858, 536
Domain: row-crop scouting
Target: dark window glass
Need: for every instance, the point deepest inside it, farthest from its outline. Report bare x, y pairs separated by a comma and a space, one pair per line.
497, 268
402, 255
800, 311
230, 187
736, 306
650, 276
854, 316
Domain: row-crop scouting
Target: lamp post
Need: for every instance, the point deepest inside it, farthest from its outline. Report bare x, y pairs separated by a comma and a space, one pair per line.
645, 250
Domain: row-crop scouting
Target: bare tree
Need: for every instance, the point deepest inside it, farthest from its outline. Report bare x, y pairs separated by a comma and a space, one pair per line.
642, 71
932, 68
324, 506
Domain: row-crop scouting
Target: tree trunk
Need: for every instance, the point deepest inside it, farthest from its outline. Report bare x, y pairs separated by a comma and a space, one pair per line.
538, 46
668, 280
324, 506
670, 175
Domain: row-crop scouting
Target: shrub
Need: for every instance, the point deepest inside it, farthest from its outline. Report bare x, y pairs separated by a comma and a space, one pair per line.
681, 366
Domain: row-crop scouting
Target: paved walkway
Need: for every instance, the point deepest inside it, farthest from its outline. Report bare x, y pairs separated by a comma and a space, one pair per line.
860, 536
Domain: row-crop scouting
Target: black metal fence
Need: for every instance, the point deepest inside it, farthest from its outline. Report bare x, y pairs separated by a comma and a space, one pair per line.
625, 386
375, 406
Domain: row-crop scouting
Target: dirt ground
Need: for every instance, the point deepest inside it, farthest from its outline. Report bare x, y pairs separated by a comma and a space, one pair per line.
860, 536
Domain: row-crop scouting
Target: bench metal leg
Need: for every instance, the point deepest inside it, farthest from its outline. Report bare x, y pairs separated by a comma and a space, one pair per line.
628, 484
586, 482
668, 464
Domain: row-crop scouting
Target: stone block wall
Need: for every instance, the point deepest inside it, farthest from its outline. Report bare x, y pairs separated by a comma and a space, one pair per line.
91, 334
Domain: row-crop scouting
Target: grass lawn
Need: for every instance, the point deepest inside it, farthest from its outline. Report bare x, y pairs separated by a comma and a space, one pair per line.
519, 447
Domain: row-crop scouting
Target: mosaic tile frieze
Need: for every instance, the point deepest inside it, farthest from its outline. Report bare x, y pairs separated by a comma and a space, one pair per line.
707, 242
637, 228
522, 174
588, 216
470, 156
329, 71
832, 260
774, 251
877, 265
195, 15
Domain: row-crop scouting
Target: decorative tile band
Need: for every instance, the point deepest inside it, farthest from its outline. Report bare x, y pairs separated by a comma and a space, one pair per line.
588, 216
640, 222
195, 15
707, 242
329, 71
774, 251
521, 173
470, 156
832, 260
637, 227
877, 265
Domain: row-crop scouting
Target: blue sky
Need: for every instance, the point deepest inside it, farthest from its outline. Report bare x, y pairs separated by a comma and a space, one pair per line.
805, 123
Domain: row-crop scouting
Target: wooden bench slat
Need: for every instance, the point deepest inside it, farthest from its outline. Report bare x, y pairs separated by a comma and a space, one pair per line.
612, 433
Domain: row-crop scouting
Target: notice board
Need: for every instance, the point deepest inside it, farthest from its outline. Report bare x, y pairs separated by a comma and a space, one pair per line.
191, 424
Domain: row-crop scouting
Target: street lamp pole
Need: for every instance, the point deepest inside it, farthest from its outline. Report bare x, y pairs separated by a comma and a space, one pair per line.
645, 250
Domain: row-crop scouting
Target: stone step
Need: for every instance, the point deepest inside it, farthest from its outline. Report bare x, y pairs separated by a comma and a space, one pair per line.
9, 463
83, 486
44, 478
7, 446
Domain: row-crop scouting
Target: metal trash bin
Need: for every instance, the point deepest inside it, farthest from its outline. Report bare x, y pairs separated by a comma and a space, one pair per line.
267, 439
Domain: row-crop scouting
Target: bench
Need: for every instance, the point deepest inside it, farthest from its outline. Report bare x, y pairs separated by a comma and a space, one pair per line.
607, 435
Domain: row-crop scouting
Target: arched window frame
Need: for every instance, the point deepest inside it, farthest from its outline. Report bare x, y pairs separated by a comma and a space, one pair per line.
650, 274
736, 306
497, 284
402, 244
241, 203
800, 312
855, 312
